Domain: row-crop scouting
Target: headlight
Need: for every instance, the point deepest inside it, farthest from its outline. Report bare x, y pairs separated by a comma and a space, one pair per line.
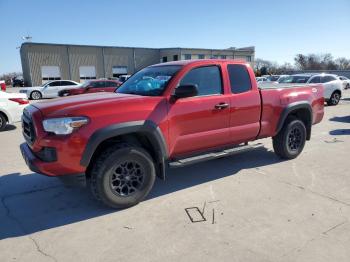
65, 125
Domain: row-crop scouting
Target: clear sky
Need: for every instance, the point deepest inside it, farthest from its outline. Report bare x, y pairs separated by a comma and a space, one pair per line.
278, 29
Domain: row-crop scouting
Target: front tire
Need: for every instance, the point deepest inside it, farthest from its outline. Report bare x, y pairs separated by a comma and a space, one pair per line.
290, 141
122, 176
35, 95
334, 99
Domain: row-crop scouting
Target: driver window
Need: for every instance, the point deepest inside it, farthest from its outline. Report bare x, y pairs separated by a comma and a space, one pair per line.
208, 80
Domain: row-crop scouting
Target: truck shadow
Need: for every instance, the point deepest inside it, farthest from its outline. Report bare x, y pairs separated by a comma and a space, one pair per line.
32, 203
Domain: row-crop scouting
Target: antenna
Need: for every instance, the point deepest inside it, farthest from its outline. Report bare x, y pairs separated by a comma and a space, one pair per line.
27, 38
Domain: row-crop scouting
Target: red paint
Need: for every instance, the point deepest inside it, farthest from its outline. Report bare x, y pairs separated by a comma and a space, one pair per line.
188, 125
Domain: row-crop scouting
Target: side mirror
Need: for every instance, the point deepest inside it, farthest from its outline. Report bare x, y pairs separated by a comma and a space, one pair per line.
185, 91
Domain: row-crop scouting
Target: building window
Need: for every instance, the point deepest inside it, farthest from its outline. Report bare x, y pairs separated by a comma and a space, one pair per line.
165, 59
175, 57
188, 56
223, 57
200, 56
248, 58
49, 73
87, 73
215, 57
119, 70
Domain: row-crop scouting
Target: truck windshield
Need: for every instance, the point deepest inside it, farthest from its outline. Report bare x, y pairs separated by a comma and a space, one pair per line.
150, 81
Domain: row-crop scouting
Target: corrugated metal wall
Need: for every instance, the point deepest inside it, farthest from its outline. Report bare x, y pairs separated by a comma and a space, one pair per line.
118, 57
41, 55
145, 57
70, 57
85, 56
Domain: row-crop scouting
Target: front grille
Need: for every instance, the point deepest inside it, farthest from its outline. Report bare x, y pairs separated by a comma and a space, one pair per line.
28, 127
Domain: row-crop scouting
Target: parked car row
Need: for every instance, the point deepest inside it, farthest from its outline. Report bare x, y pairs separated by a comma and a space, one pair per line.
56, 88
333, 84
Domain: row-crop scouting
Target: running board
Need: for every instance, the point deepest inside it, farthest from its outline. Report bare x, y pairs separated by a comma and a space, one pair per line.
213, 155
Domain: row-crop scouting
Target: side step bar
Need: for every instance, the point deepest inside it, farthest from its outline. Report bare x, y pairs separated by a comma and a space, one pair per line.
214, 155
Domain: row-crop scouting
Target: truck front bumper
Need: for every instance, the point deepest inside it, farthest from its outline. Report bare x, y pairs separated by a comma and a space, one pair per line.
36, 165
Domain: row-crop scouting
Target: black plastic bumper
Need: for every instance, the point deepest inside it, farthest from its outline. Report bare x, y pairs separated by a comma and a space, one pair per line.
29, 158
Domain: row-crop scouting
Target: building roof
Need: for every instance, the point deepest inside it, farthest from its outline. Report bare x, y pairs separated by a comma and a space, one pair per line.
250, 48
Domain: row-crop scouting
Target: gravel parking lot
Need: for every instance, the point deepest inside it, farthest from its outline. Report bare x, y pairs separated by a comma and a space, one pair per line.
248, 207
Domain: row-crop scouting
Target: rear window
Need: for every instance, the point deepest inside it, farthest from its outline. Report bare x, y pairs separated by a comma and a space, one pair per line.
239, 79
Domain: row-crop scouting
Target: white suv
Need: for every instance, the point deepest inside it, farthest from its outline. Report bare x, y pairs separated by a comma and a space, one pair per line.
332, 87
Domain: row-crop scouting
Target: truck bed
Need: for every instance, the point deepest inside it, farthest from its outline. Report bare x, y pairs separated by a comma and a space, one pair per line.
276, 98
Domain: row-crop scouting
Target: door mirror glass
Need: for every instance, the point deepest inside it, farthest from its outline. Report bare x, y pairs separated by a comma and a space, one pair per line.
186, 91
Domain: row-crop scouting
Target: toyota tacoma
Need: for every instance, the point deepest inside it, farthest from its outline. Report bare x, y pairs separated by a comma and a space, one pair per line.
165, 116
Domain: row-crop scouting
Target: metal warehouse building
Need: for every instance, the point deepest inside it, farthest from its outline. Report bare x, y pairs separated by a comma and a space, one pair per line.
42, 62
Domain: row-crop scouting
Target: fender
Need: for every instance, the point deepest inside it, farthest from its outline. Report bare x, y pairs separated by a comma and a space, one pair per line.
148, 128
293, 107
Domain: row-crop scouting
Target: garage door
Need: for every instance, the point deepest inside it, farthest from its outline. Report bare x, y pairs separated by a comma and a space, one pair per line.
119, 70
87, 73
49, 73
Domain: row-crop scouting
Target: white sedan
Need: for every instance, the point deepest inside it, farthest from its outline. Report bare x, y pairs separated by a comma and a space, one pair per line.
49, 89
11, 108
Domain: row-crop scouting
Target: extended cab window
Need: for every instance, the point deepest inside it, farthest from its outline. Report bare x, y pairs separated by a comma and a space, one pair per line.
207, 79
239, 79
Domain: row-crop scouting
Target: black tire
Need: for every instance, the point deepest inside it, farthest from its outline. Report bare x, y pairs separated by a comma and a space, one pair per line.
290, 141
36, 95
122, 176
334, 99
3, 122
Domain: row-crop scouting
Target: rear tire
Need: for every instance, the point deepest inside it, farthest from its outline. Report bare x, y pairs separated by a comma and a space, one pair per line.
122, 176
334, 99
290, 141
3, 122
35, 95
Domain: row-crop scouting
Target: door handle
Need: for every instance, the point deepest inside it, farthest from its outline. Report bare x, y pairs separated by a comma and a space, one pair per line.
221, 106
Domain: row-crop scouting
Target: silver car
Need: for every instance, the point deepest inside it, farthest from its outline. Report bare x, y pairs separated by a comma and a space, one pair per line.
49, 89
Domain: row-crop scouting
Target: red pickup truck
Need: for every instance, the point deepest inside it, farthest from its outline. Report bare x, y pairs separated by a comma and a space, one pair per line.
166, 115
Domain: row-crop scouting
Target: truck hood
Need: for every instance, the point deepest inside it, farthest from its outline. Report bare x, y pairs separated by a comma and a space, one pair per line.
93, 103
